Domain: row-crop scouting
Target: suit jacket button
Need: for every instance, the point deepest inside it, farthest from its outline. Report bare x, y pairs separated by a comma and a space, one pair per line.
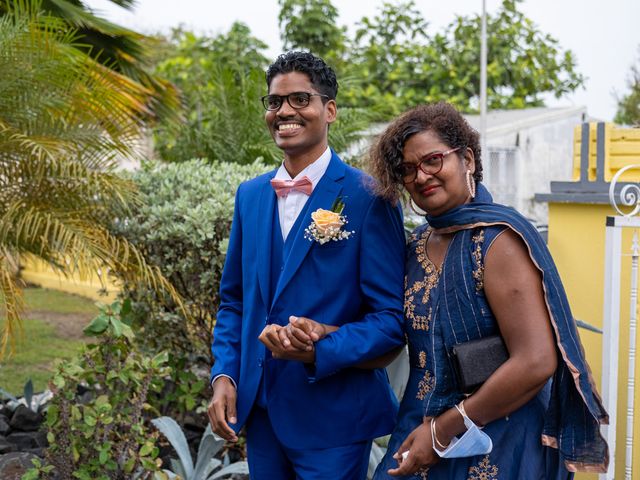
260, 362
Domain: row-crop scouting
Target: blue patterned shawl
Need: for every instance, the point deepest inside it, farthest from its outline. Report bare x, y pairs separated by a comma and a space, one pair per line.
575, 411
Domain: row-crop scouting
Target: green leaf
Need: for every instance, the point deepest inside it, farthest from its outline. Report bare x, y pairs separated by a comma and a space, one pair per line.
160, 359
146, 449
59, 381
97, 326
126, 312
53, 413
116, 327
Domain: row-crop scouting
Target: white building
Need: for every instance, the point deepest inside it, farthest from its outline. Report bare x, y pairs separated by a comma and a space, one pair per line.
528, 149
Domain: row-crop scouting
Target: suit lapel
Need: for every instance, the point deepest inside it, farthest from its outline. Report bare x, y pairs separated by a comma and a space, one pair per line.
323, 196
264, 236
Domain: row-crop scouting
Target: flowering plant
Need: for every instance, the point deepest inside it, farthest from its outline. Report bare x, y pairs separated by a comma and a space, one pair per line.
327, 224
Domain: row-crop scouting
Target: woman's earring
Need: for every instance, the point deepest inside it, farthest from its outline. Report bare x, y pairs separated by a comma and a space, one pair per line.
417, 210
471, 184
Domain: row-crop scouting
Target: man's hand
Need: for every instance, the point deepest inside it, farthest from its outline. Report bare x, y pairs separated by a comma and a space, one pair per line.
276, 338
222, 408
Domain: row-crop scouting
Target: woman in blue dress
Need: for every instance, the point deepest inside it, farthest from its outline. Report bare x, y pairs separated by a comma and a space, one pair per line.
478, 269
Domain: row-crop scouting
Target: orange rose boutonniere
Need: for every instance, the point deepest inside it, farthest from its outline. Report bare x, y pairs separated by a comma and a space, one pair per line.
327, 225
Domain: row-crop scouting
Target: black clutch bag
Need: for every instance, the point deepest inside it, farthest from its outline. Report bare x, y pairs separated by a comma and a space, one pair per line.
475, 361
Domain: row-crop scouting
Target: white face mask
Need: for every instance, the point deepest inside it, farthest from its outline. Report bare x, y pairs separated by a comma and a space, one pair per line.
473, 442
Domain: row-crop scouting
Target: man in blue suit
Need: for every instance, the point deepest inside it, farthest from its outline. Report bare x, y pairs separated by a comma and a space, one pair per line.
311, 412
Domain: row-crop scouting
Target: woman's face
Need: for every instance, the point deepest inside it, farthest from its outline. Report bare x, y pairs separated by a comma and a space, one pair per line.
438, 193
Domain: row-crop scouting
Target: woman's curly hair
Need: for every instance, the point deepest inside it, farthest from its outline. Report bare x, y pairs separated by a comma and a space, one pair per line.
385, 155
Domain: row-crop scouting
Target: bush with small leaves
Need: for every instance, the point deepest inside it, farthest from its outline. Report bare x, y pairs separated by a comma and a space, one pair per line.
182, 225
106, 435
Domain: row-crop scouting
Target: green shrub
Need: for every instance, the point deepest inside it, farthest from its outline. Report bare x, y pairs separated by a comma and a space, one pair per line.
104, 435
182, 225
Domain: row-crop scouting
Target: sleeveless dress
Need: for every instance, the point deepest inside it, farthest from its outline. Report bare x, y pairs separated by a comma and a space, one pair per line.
517, 452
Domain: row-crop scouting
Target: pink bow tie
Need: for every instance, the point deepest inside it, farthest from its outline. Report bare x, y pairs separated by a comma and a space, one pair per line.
283, 187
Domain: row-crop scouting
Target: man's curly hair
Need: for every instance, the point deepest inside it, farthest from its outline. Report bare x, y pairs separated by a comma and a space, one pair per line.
385, 155
322, 77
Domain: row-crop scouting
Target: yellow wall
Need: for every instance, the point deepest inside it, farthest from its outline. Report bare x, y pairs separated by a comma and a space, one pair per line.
40, 273
577, 243
621, 148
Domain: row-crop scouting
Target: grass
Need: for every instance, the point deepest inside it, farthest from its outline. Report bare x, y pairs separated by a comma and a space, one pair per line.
59, 302
40, 344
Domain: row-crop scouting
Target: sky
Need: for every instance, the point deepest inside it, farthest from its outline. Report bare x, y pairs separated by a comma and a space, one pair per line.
604, 36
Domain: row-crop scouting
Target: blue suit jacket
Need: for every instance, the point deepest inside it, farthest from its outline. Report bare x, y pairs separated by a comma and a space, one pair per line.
356, 283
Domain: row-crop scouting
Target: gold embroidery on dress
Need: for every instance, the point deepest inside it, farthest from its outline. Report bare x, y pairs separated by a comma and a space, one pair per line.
478, 271
431, 276
425, 385
483, 471
422, 359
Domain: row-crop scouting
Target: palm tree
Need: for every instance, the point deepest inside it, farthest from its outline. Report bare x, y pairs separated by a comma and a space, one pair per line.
117, 48
65, 120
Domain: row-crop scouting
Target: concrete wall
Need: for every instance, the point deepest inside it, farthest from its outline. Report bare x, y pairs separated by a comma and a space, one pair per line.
545, 154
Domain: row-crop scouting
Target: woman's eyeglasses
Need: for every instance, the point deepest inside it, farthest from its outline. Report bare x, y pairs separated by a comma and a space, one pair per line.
429, 165
296, 100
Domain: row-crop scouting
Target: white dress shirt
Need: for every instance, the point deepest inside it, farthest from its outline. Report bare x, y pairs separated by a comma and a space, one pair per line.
289, 207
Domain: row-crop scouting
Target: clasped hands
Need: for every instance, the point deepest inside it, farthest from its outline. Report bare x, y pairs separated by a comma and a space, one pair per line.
294, 341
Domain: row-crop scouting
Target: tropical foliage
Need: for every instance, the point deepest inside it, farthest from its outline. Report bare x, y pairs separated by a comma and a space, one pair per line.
105, 434
206, 467
628, 112
115, 47
221, 79
394, 62
311, 25
65, 122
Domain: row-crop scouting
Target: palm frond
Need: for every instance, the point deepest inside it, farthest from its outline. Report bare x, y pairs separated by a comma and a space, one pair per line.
119, 49
65, 122
12, 302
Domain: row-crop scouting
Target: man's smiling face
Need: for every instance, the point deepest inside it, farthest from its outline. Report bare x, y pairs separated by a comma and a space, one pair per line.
302, 131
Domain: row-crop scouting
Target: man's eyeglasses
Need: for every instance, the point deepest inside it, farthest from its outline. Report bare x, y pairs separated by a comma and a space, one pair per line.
429, 165
297, 100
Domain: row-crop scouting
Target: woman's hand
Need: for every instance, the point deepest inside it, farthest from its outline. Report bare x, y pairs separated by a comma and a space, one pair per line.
274, 337
302, 332
420, 454
295, 340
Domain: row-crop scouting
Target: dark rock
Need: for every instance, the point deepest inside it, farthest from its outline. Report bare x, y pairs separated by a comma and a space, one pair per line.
14, 465
22, 440
235, 455
6, 447
38, 452
41, 439
25, 420
80, 389
4, 425
85, 398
